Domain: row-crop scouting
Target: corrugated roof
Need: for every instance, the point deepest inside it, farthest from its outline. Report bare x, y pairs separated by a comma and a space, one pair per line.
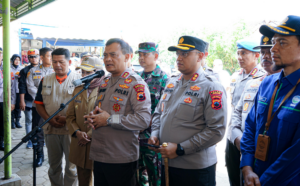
20, 8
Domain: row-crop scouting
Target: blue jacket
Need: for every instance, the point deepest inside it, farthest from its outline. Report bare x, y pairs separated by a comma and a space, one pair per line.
282, 167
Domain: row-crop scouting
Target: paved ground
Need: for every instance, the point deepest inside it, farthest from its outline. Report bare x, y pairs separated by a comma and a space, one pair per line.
22, 162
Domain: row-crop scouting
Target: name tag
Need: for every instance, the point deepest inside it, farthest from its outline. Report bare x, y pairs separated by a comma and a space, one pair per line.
262, 147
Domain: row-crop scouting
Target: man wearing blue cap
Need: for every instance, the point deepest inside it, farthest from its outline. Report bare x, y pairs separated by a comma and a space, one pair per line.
271, 140
191, 117
247, 59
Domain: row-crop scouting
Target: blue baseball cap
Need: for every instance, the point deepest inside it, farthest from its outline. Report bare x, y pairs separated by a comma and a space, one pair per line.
247, 44
289, 26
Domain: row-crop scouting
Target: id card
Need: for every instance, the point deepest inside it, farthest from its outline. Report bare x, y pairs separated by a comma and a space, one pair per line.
262, 147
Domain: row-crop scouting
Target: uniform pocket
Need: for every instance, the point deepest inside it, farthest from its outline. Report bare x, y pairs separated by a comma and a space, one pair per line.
186, 109
290, 119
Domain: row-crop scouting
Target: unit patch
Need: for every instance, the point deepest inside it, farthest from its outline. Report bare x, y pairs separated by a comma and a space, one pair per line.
12, 75
116, 107
127, 81
188, 100
216, 99
125, 75
170, 85
195, 88
195, 77
140, 89
124, 86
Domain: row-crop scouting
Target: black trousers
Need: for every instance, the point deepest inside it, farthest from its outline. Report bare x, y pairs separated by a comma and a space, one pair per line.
232, 159
190, 177
118, 174
36, 121
1, 122
16, 113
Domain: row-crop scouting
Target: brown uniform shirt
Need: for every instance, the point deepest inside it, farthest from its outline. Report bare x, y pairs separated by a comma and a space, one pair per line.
128, 102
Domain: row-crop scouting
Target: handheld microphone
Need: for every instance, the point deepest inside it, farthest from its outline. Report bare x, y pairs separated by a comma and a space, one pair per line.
89, 78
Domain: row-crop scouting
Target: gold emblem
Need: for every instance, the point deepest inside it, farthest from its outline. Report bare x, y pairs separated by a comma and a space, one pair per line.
246, 105
284, 21
265, 40
181, 40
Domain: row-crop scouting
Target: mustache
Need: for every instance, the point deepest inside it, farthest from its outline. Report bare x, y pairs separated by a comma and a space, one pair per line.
267, 61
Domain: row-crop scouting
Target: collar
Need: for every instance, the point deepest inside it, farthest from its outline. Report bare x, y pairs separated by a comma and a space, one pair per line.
254, 71
292, 78
155, 72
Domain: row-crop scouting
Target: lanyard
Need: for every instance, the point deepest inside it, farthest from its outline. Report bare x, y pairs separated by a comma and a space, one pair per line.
272, 104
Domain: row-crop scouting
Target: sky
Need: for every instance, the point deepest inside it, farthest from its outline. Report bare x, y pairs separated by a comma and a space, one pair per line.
133, 19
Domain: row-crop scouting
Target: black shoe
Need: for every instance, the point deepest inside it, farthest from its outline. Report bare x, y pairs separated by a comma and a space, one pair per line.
1, 145
40, 157
18, 125
13, 124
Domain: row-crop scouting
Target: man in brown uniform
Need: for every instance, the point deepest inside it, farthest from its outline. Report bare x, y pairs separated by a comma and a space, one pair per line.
81, 134
123, 109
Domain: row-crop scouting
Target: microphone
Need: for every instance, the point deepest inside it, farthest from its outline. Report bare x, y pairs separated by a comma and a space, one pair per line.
89, 78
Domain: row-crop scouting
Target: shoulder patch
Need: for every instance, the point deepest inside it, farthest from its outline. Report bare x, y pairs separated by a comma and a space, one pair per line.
216, 99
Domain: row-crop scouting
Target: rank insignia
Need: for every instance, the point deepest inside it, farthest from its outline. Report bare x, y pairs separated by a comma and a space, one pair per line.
253, 72
195, 77
164, 96
216, 99
104, 85
188, 100
265, 40
141, 96
162, 107
124, 86
180, 77
245, 108
195, 88
248, 96
125, 75
118, 99
100, 97
170, 85
127, 81
254, 84
99, 104
106, 80
116, 107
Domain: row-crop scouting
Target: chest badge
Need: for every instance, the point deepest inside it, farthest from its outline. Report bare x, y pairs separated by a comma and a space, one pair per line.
128, 80
195, 88
296, 99
116, 107
124, 86
248, 96
37, 71
164, 96
188, 100
118, 99
216, 99
104, 85
233, 80
125, 75
170, 85
255, 84
245, 108
195, 77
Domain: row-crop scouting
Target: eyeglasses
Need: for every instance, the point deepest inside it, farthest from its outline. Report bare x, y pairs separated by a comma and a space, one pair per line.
184, 54
32, 57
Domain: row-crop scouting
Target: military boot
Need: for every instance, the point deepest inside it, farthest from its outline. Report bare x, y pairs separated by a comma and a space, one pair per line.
13, 124
18, 125
40, 157
1, 144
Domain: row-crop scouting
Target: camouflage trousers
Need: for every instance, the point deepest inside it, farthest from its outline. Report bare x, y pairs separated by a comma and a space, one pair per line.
149, 172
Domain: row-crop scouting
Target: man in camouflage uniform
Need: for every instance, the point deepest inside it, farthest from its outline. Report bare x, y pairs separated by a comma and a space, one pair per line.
149, 161
206, 69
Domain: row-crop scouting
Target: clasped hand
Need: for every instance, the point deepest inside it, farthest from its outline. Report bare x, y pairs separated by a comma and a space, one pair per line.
58, 121
166, 152
97, 118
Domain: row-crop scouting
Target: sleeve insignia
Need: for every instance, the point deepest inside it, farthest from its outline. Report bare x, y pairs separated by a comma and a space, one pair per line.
188, 100
118, 99
195, 88
216, 98
125, 75
140, 89
195, 77
116, 107
128, 80
124, 86
170, 85
12, 75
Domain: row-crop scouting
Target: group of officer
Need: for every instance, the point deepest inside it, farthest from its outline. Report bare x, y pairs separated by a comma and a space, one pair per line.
132, 114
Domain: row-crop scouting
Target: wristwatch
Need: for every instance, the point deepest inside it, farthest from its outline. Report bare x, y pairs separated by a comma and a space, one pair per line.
179, 150
108, 121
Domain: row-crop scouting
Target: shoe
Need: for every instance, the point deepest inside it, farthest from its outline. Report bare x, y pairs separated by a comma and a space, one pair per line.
13, 124
1, 145
29, 145
18, 125
40, 157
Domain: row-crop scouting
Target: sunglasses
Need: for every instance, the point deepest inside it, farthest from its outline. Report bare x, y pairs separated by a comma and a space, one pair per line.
32, 57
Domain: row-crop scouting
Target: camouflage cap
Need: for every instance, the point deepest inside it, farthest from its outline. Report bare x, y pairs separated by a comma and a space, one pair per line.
90, 64
147, 47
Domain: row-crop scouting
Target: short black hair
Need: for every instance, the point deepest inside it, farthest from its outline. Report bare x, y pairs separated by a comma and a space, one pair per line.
130, 50
298, 37
44, 50
124, 46
62, 51
206, 46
